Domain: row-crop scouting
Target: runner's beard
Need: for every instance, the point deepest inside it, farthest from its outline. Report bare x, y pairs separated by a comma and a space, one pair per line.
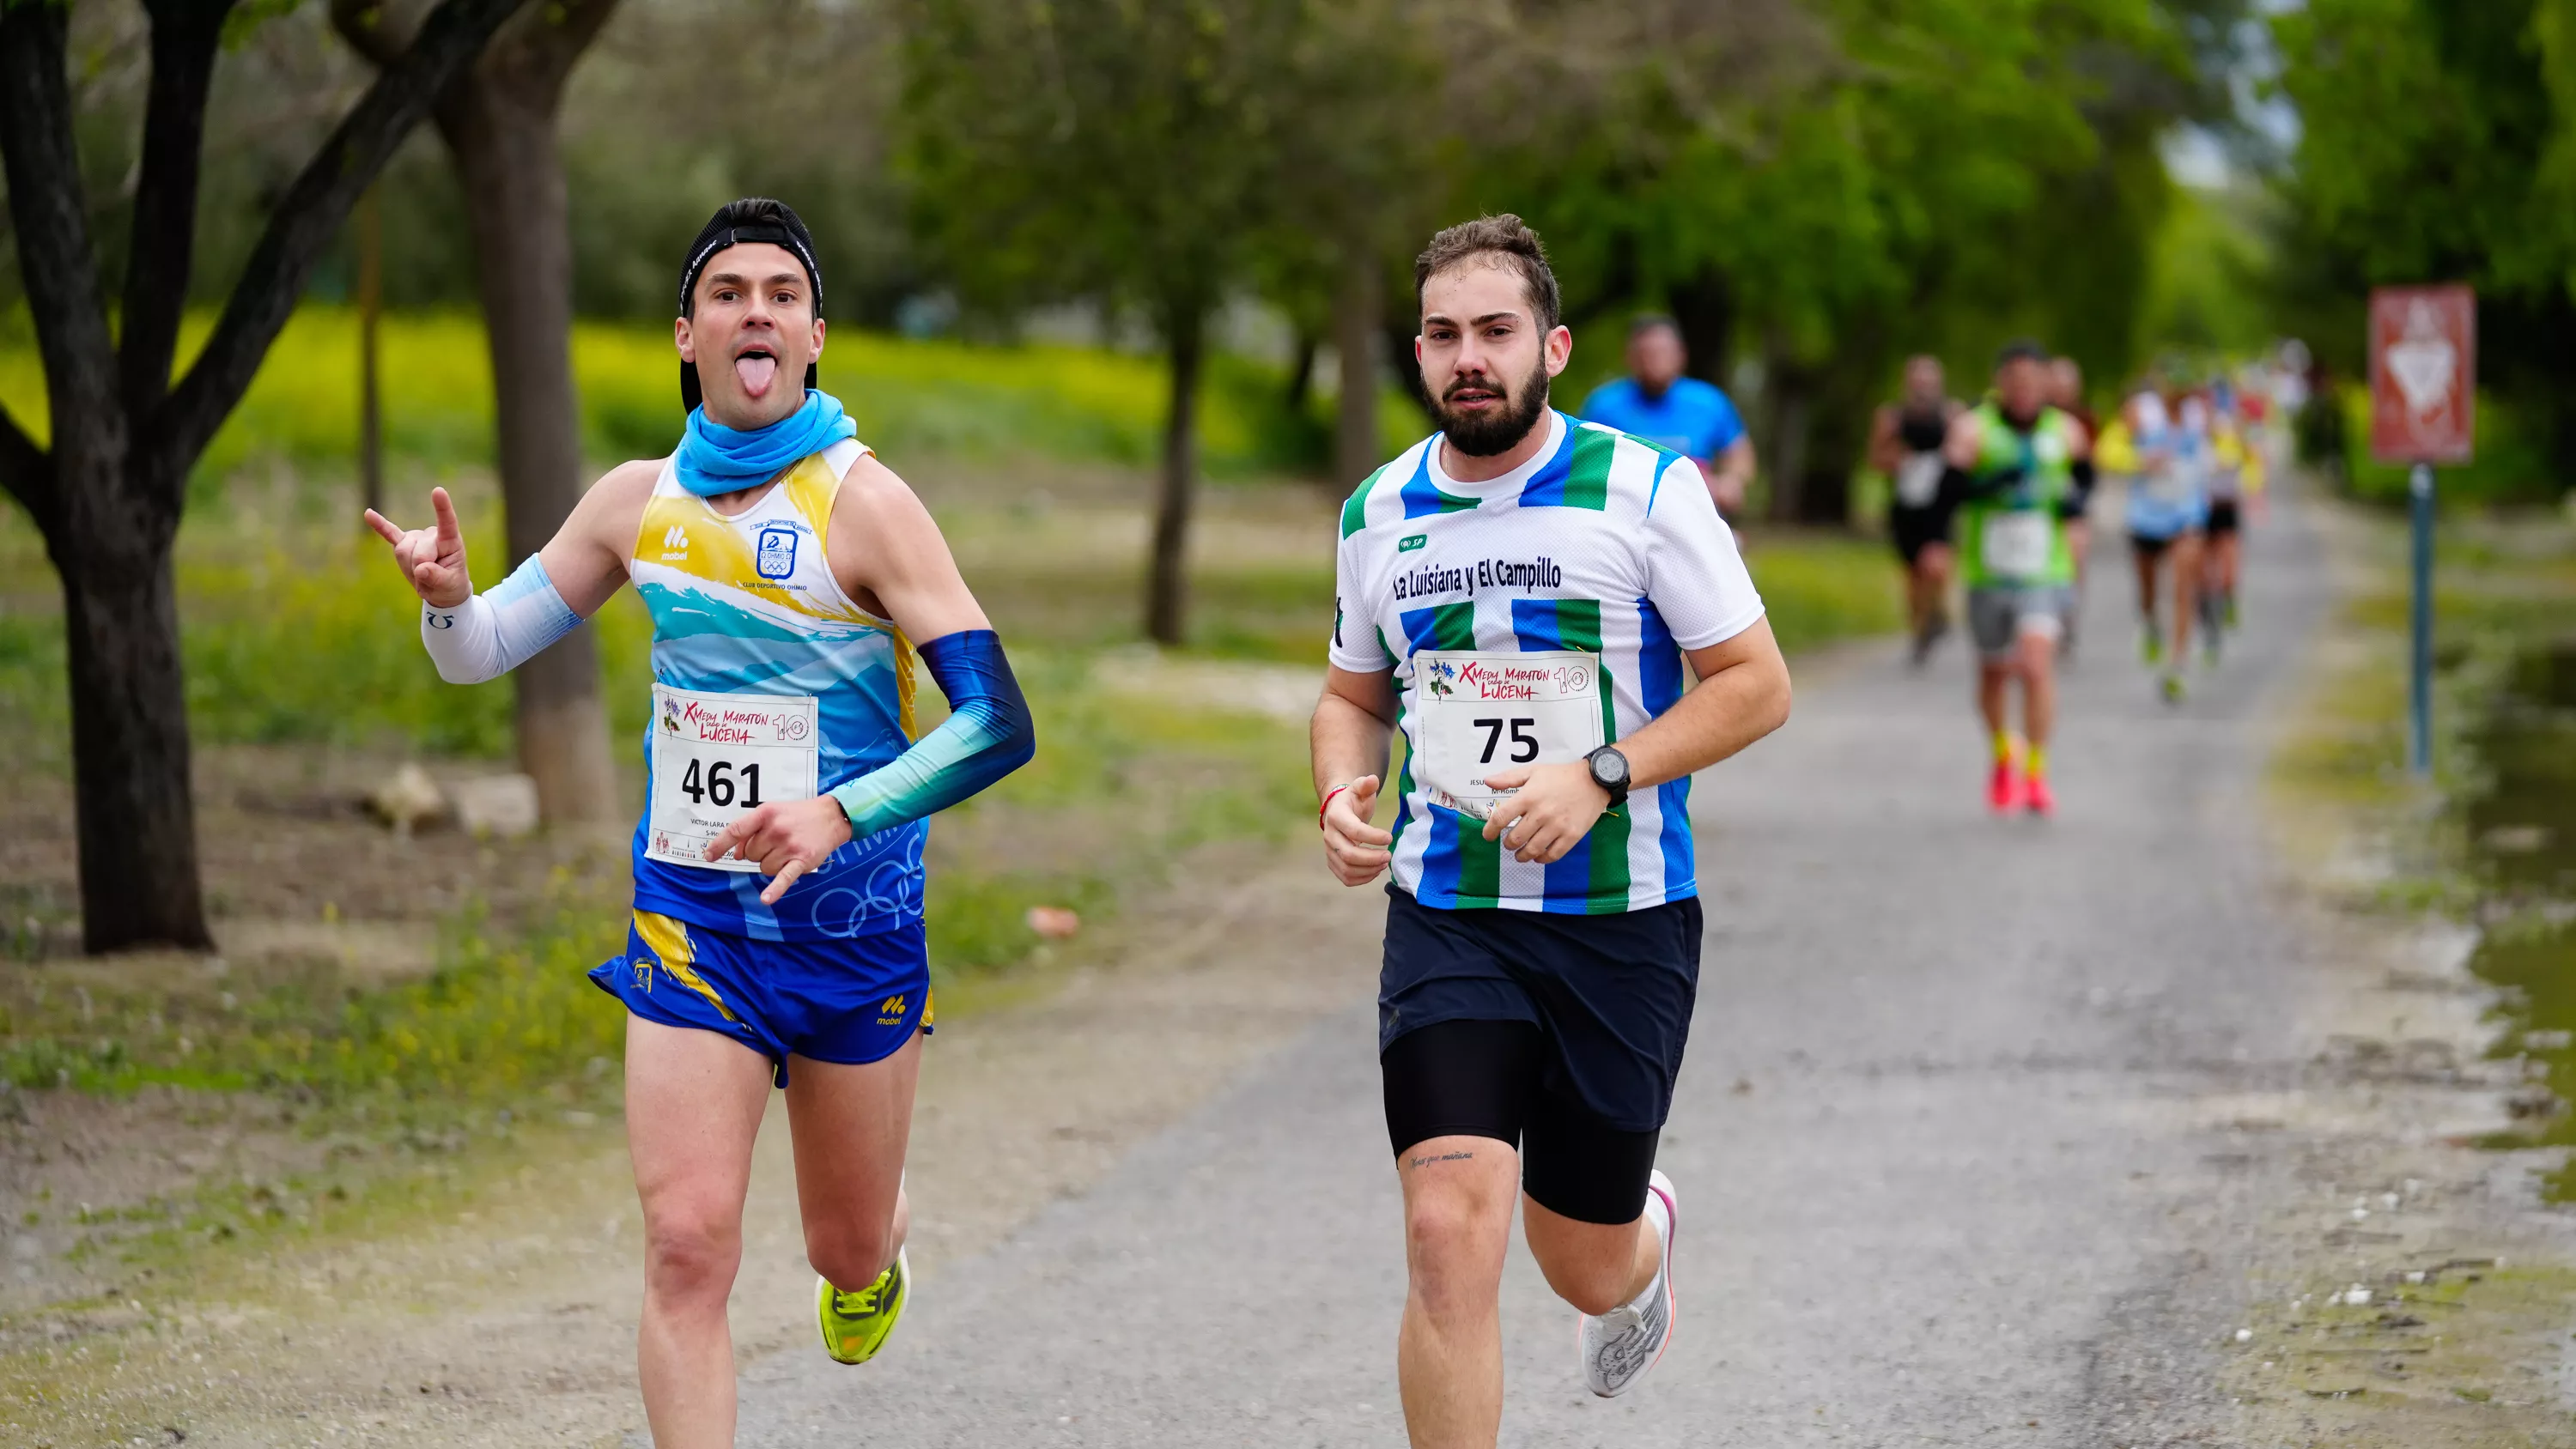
1483, 437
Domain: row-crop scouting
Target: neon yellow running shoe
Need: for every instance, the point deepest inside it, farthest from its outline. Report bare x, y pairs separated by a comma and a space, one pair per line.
855, 1325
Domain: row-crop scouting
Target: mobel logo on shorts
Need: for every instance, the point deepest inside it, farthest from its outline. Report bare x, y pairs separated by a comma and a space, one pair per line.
891, 1014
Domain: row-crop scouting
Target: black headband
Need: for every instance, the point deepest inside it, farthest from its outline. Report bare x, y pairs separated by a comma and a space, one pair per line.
715, 239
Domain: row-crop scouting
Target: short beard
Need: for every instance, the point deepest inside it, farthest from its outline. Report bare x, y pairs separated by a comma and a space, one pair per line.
1500, 432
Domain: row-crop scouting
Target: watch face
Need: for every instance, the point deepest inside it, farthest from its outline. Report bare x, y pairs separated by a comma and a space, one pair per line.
1610, 768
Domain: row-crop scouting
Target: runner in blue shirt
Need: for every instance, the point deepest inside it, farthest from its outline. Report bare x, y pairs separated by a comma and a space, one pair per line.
1691, 417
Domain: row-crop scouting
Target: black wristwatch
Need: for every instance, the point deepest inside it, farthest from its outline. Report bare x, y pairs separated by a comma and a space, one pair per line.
1610, 772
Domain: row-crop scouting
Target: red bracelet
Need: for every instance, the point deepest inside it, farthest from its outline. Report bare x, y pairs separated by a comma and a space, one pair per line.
1327, 805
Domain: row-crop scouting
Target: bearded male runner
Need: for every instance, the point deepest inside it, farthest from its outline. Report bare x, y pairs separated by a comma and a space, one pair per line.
1905, 439
1518, 593
2011, 464
777, 931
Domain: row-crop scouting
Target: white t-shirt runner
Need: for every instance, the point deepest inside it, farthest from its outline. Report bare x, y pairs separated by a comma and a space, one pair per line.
1528, 619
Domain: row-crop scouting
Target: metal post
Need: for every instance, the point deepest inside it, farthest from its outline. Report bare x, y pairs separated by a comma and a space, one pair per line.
2420, 681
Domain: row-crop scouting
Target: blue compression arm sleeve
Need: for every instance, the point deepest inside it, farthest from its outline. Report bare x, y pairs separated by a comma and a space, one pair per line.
988, 734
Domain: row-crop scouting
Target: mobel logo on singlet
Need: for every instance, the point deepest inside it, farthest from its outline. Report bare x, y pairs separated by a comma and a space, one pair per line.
675, 543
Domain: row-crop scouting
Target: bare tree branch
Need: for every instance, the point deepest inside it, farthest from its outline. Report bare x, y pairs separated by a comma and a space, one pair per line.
52, 226
185, 37
539, 52
372, 29
309, 215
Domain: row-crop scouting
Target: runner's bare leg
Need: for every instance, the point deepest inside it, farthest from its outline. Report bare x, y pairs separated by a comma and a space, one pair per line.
2186, 590
1994, 696
2037, 667
851, 1126
1593, 1266
693, 1106
1458, 1194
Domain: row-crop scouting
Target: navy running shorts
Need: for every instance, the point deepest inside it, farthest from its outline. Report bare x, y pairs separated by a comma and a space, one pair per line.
849, 1002
1611, 995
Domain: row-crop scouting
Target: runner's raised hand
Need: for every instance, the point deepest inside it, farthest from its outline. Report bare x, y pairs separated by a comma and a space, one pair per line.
432, 558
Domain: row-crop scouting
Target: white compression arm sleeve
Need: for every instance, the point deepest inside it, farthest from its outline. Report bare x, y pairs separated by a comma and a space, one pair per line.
491, 634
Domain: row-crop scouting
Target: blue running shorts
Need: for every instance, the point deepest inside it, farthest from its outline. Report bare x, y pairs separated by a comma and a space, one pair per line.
848, 1002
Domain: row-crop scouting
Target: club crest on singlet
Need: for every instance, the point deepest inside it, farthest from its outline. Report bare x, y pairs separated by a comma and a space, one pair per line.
777, 555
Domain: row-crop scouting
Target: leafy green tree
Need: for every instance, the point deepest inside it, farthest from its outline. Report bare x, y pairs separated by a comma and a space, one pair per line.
107, 487
1858, 179
500, 122
1121, 152
2438, 143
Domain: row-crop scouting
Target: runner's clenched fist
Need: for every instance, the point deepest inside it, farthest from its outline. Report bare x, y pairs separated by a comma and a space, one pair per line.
1355, 849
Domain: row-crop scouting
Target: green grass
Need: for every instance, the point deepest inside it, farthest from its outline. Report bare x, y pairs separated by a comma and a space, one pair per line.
296, 633
909, 397
499, 1018
2491, 840
2509, 467
1824, 586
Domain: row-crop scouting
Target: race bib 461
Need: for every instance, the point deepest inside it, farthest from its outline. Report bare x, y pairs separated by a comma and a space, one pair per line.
716, 756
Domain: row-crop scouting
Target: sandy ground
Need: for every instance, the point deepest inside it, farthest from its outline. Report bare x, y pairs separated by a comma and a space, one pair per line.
1990, 1137
511, 1322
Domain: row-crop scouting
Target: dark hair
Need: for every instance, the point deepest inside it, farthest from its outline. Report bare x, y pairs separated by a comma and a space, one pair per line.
751, 219
2020, 349
1645, 322
1505, 237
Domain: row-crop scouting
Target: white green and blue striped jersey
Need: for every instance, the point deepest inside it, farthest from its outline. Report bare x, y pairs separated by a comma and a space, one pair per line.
1603, 543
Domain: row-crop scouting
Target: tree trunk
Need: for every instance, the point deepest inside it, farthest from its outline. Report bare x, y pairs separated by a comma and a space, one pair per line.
108, 495
371, 306
507, 158
1842, 394
1398, 334
1705, 311
1791, 397
1358, 315
1301, 373
1166, 589
135, 819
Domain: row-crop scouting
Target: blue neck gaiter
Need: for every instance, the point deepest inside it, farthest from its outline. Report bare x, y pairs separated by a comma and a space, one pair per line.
716, 459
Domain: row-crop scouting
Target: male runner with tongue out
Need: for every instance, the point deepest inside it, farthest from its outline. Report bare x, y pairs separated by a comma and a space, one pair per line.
777, 930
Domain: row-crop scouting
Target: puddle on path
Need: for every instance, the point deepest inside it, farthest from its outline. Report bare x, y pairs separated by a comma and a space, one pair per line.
2522, 838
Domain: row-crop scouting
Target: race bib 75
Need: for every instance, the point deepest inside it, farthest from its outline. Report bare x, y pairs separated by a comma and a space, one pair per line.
1477, 712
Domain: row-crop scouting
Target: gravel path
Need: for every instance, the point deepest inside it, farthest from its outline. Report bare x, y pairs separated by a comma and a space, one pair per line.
1944, 1143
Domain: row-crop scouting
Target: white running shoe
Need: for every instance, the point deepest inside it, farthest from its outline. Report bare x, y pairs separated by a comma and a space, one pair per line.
1622, 1344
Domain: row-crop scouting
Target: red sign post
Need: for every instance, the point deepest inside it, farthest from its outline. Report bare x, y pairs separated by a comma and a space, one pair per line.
2423, 411
2423, 374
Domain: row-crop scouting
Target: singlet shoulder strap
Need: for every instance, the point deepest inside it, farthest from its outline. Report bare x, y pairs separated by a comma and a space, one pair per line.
656, 519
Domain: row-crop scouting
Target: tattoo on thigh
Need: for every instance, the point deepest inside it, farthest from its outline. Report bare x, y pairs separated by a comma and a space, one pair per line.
1426, 1161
